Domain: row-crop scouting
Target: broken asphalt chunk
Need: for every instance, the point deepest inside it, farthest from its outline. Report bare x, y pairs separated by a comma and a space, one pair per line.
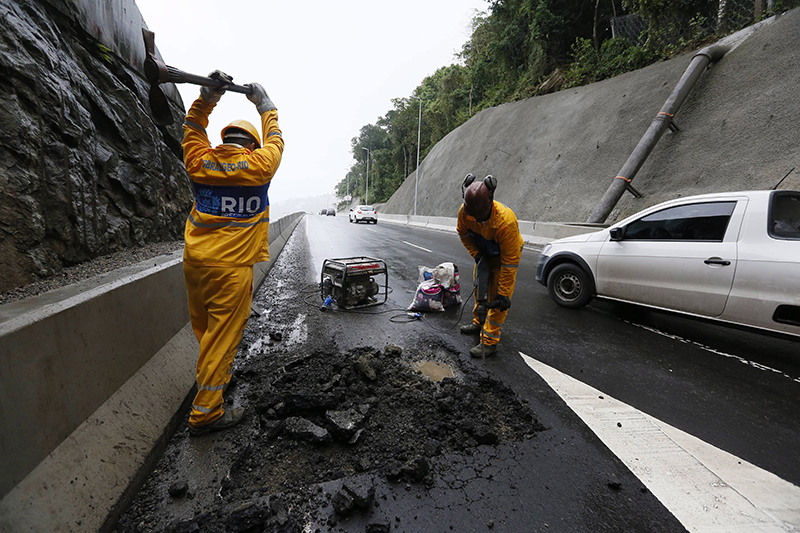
302, 429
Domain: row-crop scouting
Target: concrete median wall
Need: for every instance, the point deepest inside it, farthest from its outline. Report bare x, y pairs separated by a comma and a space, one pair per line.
94, 378
534, 233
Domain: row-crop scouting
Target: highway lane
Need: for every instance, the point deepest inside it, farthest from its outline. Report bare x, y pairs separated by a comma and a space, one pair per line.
737, 390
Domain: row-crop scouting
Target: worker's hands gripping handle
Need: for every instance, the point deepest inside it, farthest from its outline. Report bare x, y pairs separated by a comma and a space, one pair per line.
213, 94
260, 98
501, 303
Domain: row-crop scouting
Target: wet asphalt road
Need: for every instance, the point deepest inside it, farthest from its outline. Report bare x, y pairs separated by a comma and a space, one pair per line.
737, 390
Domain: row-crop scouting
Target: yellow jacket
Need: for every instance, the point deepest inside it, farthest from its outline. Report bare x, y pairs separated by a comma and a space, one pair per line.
229, 222
497, 237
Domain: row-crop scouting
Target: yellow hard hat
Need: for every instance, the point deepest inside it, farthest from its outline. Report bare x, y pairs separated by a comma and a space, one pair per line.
242, 125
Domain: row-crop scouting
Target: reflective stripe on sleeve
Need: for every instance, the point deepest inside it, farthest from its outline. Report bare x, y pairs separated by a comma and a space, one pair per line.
231, 224
194, 125
510, 266
274, 133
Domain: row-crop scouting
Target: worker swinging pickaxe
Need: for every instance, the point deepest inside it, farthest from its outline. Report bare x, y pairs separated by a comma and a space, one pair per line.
157, 73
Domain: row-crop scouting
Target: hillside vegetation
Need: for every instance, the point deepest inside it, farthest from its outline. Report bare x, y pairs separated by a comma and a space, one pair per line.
524, 48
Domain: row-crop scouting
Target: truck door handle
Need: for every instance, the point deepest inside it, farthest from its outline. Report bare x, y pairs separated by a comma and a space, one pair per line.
716, 261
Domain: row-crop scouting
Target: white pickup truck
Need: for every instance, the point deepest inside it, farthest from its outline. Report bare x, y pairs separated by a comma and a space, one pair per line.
731, 257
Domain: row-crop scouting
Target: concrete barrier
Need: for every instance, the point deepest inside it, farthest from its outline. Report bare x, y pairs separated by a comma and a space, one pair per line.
534, 233
418, 221
442, 223
393, 219
94, 378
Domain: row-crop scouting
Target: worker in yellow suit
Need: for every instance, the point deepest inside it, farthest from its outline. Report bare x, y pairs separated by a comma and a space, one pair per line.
490, 233
227, 232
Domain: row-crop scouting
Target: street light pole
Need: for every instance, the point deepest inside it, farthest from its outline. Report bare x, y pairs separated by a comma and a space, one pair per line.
416, 172
366, 189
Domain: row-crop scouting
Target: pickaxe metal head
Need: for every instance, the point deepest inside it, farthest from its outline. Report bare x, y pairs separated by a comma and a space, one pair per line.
156, 72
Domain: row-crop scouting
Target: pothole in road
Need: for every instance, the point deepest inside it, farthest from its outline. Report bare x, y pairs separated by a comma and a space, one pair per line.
433, 370
362, 417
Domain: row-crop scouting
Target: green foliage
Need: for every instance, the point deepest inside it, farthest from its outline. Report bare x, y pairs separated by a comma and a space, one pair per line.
104, 52
615, 57
523, 48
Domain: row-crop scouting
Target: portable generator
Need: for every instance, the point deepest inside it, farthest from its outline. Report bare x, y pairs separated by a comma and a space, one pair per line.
350, 282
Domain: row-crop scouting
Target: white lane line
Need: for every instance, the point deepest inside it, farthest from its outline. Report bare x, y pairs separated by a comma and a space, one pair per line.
416, 246
707, 489
747, 362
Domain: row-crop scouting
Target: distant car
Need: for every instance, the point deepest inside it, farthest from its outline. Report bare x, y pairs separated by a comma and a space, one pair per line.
366, 213
730, 257
323, 212
331, 212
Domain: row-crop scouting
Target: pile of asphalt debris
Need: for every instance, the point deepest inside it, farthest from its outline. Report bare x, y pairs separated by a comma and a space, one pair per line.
327, 427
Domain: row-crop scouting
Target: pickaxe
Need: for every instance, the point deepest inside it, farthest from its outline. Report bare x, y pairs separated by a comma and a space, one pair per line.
157, 73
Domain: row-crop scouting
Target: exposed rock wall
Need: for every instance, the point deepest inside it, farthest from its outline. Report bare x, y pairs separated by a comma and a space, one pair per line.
554, 156
84, 171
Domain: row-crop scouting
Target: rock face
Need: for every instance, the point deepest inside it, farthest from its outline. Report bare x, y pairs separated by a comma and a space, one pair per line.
84, 170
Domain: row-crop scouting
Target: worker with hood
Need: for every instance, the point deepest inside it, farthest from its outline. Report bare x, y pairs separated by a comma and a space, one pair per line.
227, 232
490, 233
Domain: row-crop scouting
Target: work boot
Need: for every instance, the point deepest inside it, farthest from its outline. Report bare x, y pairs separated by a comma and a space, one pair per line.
229, 418
483, 350
471, 329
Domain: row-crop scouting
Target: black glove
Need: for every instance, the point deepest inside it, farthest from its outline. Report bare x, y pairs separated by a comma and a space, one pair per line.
504, 302
212, 94
260, 98
478, 257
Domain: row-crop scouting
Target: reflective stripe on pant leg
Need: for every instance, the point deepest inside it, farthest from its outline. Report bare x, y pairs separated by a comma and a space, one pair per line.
491, 328
494, 318
475, 319
227, 296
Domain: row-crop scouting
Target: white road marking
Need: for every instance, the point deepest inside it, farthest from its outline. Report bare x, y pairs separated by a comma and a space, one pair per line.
753, 364
707, 489
416, 246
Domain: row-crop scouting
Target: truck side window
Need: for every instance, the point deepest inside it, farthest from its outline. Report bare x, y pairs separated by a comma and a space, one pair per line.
692, 222
784, 215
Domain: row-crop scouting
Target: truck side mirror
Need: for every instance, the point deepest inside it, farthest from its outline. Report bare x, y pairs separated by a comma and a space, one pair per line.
617, 234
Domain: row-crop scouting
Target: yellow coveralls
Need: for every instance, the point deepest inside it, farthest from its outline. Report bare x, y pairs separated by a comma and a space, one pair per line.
227, 232
499, 239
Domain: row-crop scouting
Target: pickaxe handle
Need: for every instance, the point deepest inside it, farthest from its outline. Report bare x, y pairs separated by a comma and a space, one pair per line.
178, 76
157, 72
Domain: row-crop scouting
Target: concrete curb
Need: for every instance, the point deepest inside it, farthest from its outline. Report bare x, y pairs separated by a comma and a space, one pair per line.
103, 378
534, 233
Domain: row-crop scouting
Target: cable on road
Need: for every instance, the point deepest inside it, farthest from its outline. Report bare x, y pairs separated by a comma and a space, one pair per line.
403, 316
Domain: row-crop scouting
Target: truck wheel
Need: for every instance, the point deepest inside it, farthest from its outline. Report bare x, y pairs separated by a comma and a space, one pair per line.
570, 286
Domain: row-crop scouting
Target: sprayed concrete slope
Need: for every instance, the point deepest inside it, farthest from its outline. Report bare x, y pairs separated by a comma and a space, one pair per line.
555, 155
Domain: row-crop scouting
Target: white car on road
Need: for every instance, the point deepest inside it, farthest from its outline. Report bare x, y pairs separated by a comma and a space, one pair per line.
363, 212
732, 257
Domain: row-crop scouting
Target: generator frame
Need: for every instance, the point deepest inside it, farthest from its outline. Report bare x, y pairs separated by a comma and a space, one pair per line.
347, 270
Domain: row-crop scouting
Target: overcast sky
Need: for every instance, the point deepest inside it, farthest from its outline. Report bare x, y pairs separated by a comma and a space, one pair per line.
330, 67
